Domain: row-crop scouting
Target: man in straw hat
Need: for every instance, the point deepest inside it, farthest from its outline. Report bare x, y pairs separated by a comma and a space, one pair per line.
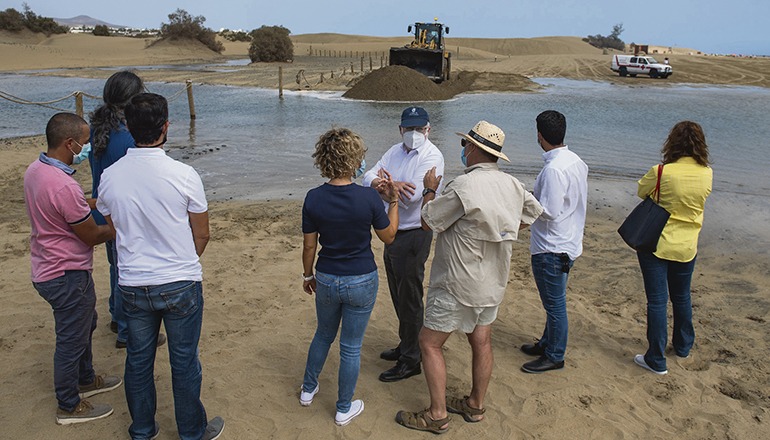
479, 213
407, 162
557, 237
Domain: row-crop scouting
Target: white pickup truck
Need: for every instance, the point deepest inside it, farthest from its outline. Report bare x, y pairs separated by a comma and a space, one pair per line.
634, 65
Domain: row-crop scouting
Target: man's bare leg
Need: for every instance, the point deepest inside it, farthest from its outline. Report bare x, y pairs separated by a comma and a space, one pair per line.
431, 343
481, 344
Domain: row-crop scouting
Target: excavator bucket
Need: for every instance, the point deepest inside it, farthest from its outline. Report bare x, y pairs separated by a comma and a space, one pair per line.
430, 63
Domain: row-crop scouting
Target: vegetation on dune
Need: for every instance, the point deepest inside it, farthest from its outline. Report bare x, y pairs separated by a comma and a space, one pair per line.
14, 21
101, 30
229, 35
183, 25
270, 44
611, 41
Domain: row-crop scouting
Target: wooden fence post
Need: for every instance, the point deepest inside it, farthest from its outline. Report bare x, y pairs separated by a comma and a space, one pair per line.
362, 64
280, 82
79, 103
190, 100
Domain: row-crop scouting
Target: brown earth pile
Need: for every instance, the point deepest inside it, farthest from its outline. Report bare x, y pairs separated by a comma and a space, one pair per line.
399, 83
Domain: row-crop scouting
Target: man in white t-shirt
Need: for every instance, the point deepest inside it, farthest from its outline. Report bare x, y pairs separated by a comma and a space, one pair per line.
158, 209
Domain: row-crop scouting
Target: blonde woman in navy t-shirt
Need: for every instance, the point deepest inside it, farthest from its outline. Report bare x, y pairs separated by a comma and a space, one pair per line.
340, 215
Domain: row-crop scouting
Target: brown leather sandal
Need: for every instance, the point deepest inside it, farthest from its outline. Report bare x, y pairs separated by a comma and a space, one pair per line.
460, 406
422, 421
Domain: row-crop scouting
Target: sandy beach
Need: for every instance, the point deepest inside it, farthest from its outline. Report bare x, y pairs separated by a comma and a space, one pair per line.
258, 323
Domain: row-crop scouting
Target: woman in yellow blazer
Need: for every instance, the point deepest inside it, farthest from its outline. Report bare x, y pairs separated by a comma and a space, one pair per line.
684, 186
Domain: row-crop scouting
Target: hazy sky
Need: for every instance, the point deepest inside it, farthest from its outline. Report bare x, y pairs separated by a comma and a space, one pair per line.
716, 26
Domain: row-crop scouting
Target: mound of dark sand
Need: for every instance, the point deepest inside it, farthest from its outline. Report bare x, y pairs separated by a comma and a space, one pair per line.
399, 83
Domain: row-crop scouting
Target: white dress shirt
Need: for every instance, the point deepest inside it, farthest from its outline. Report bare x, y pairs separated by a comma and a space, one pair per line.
409, 166
562, 190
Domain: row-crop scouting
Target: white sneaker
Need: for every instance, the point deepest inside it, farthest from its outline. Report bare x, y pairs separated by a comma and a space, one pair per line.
639, 360
356, 408
305, 399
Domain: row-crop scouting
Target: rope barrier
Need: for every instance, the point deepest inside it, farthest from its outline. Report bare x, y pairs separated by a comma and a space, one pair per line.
78, 98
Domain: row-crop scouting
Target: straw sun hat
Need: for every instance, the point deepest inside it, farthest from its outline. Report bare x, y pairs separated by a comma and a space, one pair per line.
488, 137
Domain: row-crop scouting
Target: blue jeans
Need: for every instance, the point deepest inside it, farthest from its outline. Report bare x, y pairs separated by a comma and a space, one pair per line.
73, 300
116, 304
551, 273
664, 278
349, 299
180, 306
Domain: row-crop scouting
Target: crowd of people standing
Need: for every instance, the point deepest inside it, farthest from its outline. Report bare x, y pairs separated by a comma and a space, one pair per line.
152, 213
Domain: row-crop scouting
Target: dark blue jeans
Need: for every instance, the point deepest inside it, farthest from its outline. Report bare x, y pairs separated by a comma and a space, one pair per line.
664, 279
549, 271
179, 305
350, 300
116, 304
73, 300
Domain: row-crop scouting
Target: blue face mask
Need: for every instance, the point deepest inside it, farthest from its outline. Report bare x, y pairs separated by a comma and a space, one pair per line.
361, 169
463, 158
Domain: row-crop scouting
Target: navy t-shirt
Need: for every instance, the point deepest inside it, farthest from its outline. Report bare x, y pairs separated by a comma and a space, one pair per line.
343, 217
120, 141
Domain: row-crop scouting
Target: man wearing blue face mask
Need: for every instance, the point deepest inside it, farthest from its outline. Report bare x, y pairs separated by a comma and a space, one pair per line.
407, 162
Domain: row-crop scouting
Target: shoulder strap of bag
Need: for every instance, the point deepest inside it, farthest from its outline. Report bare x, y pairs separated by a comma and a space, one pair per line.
656, 193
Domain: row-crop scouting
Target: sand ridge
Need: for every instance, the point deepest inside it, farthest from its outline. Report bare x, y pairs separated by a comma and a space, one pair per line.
567, 57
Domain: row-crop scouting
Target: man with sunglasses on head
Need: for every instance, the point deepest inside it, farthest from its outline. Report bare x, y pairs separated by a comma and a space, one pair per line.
407, 162
62, 239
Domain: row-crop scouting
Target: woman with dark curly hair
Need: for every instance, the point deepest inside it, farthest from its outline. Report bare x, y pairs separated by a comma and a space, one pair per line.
109, 141
685, 183
340, 215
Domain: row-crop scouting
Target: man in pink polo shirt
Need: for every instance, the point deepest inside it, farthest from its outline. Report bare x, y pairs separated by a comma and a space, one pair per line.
61, 245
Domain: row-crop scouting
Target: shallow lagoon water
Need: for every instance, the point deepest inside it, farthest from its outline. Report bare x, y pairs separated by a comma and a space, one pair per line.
247, 143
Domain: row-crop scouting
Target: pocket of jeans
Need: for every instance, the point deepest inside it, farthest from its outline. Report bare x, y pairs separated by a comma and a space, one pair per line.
362, 294
128, 298
183, 300
323, 288
51, 290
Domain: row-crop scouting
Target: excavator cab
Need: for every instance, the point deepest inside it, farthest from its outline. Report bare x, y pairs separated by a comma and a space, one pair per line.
426, 53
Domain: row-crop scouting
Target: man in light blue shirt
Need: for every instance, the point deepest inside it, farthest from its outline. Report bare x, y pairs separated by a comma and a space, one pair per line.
556, 238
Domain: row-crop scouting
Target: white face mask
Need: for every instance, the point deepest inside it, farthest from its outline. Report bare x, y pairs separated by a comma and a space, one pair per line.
413, 139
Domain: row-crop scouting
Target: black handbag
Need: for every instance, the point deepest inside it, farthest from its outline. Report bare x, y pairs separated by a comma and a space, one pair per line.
642, 228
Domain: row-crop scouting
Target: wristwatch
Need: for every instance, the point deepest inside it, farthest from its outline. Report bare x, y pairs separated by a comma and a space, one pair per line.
427, 191
307, 278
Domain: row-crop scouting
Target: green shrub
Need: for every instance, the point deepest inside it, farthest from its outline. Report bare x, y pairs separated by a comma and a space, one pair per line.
101, 30
13, 20
183, 25
271, 43
46, 25
229, 35
611, 41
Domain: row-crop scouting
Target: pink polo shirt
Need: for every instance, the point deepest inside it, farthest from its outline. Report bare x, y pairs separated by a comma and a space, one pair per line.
54, 201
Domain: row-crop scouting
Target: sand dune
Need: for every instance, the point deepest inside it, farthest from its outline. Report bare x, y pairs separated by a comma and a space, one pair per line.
568, 57
258, 324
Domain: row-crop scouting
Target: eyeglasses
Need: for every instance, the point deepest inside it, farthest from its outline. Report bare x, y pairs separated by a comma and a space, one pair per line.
422, 130
463, 143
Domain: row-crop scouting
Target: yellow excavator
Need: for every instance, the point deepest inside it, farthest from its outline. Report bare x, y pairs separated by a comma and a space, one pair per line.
426, 53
